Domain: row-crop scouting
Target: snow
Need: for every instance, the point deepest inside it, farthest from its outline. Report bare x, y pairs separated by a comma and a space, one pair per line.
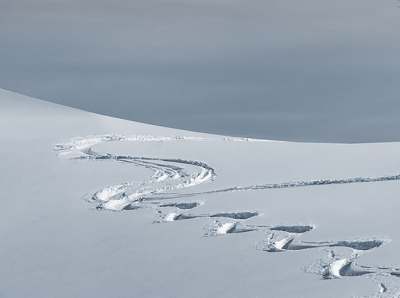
224, 229
281, 243
171, 216
336, 266
93, 206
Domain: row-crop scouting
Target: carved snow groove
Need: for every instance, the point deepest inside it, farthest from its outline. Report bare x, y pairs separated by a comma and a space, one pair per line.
293, 229
229, 227
182, 206
341, 261
233, 215
175, 169
172, 174
236, 215
169, 174
295, 184
219, 227
346, 266
291, 244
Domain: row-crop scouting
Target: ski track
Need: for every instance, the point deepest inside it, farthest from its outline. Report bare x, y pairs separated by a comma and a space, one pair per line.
171, 174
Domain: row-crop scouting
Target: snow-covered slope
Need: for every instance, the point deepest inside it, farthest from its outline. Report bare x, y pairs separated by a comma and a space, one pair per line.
93, 206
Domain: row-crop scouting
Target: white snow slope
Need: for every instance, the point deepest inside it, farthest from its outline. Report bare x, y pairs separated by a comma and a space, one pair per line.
93, 206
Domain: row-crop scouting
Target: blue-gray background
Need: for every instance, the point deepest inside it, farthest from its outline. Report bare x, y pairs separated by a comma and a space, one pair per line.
312, 70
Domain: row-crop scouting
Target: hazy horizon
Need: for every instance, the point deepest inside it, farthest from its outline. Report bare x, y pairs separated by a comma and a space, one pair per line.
311, 71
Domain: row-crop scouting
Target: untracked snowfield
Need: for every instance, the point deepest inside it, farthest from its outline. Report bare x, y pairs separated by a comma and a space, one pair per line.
93, 206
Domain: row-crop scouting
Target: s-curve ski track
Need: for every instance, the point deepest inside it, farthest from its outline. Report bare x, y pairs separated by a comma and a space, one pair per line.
172, 174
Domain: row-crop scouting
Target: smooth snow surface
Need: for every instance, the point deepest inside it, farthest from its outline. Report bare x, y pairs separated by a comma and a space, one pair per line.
169, 213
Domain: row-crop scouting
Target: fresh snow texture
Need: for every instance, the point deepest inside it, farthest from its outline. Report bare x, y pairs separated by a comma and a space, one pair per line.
176, 214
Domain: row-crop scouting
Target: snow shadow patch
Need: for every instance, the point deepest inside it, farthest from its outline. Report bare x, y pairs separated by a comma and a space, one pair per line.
293, 229
182, 206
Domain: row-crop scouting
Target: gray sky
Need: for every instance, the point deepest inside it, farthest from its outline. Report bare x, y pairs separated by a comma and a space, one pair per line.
312, 70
